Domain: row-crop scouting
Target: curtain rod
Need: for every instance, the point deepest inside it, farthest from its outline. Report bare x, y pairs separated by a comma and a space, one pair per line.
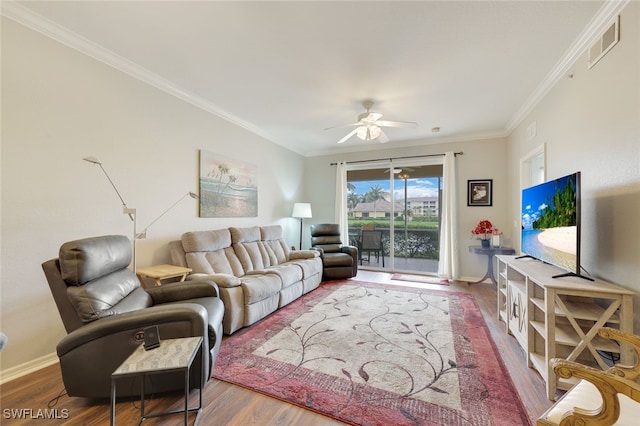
398, 158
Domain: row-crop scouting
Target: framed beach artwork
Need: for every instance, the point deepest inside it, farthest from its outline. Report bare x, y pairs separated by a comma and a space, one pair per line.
480, 192
228, 187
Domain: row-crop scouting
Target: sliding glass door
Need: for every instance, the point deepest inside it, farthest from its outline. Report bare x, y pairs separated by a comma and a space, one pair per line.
400, 203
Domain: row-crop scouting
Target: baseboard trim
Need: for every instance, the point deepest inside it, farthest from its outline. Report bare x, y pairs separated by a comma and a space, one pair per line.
28, 367
468, 279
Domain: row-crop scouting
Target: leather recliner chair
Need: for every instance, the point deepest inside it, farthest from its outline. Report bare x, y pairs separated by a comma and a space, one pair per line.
338, 261
104, 310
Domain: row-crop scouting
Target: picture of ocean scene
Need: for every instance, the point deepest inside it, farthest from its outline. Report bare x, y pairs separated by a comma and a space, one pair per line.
549, 222
228, 188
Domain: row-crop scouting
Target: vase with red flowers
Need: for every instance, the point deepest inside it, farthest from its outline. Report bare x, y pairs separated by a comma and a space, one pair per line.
483, 231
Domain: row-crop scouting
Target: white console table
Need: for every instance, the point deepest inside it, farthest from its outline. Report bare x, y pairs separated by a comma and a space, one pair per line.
560, 317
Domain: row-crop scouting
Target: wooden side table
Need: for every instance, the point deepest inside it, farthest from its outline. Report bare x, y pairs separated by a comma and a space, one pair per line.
490, 252
172, 355
162, 272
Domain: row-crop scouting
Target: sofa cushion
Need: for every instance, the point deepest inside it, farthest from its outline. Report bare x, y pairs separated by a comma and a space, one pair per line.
245, 235
275, 246
260, 287
289, 273
249, 249
271, 232
310, 267
206, 240
210, 252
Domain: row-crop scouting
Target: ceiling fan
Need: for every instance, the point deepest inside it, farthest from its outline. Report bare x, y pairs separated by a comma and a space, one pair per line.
397, 170
369, 125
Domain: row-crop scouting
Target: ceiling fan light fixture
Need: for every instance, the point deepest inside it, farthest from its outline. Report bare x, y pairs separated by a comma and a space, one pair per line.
369, 125
362, 133
367, 133
374, 132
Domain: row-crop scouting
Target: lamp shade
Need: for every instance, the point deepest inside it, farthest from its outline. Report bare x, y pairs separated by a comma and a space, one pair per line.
301, 210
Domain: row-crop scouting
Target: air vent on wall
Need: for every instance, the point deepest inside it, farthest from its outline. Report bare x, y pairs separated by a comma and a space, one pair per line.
604, 43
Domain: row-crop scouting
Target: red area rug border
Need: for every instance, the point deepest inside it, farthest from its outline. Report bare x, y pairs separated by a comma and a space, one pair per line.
518, 418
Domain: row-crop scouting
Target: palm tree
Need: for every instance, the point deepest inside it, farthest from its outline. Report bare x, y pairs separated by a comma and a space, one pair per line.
375, 193
224, 169
353, 200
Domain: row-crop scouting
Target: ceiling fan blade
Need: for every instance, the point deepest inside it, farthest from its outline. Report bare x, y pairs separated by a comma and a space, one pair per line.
387, 123
344, 125
383, 138
351, 133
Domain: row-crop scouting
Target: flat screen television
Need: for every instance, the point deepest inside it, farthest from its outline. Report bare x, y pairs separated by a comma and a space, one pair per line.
551, 223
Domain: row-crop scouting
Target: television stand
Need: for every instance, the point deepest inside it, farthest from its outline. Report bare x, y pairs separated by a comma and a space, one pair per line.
560, 317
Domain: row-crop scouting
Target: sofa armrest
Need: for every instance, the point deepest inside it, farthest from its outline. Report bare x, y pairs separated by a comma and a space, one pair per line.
133, 322
175, 292
303, 254
598, 403
222, 280
630, 372
319, 250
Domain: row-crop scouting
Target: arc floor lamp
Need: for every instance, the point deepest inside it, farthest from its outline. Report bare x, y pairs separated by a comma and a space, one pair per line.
132, 212
301, 211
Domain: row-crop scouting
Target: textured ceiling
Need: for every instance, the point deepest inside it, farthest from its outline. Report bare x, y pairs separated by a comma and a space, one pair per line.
288, 70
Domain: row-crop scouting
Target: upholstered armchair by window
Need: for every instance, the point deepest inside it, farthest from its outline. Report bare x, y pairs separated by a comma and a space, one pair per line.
104, 310
338, 261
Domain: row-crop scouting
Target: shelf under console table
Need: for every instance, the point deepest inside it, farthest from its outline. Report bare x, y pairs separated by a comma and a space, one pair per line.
560, 317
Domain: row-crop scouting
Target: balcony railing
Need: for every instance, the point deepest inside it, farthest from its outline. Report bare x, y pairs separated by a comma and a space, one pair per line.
408, 243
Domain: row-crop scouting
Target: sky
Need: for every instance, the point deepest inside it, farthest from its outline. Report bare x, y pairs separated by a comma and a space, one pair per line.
536, 199
418, 187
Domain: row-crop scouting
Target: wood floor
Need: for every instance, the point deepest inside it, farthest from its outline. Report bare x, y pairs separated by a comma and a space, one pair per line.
34, 396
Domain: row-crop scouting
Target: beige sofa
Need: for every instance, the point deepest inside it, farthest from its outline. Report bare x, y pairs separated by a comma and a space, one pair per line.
255, 271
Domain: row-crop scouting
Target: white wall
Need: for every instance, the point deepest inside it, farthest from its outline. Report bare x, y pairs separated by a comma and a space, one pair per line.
591, 123
59, 106
481, 159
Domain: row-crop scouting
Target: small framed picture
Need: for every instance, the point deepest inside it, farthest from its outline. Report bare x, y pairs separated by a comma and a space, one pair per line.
480, 192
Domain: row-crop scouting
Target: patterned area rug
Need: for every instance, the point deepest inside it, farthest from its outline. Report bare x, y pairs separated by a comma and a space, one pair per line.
420, 279
371, 354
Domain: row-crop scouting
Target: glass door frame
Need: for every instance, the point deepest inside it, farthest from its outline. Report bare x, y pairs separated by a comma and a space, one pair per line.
392, 164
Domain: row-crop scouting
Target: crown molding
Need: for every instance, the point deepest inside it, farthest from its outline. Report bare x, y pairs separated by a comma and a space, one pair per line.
411, 143
596, 27
38, 23
21, 14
